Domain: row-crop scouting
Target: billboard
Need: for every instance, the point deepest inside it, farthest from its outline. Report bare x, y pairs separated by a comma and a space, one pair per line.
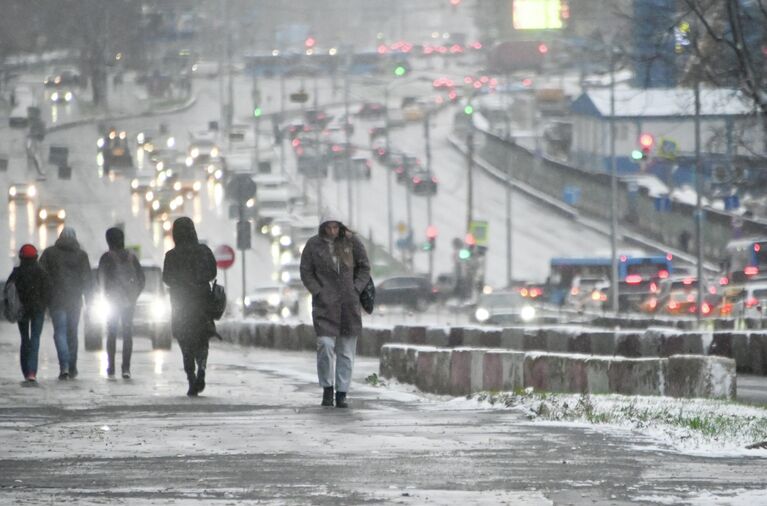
537, 14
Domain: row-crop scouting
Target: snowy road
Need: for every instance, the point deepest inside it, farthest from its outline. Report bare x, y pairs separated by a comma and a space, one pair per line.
258, 435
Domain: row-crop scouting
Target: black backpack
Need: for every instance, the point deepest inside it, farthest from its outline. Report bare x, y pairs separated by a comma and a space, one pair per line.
216, 301
126, 278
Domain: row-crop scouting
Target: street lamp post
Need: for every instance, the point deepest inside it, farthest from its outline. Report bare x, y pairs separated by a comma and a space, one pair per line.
388, 172
615, 282
427, 136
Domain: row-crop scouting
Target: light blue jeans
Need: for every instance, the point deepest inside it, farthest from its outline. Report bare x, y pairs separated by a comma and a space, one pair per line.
65, 323
336, 355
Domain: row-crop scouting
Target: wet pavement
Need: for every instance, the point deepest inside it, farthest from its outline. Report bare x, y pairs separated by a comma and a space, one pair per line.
258, 435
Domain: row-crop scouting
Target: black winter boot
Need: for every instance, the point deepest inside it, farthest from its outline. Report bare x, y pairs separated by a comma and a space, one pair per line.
192, 392
341, 400
327, 396
199, 383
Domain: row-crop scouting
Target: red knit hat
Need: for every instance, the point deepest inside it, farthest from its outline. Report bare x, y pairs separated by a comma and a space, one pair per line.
28, 251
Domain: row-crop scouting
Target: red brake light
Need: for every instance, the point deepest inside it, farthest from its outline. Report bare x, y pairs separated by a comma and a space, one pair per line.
653, 287
724, 281
687, 281
751, 270
751, 302
416, 180
706, 308
757, 247
434, 179
633, 279
663, 274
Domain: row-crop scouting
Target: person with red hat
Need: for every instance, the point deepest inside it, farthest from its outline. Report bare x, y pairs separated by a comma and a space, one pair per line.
33, 288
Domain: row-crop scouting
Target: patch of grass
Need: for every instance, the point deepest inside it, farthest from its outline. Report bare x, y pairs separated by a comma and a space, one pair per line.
681, 419
375, 380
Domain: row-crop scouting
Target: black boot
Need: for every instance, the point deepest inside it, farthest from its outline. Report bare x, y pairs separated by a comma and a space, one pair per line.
199, 383
327, 396
341, 400
192, 392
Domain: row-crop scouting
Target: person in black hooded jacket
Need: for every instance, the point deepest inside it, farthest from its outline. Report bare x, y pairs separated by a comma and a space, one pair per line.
188, 270
33, 287
69, 269
122, 280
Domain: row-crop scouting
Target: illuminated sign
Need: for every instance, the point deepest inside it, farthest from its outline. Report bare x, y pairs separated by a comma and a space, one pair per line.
537, 14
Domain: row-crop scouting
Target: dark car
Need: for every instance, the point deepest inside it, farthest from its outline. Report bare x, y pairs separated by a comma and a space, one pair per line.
114, 150
359, 168
403, 165
371, 110
412, 292
317, 118
422, 181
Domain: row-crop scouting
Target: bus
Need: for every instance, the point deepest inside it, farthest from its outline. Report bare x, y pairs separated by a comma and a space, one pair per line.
745, 259
638, 276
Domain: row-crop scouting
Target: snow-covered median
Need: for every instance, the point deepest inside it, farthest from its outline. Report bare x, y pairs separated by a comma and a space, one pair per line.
690, 425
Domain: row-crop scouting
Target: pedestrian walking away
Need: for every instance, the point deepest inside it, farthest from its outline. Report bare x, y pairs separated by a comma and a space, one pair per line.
188, 270
121, 280
69, 271
335, 270
33, 288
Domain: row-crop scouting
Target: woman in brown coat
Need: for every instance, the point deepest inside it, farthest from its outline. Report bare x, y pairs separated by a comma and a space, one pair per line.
335, 270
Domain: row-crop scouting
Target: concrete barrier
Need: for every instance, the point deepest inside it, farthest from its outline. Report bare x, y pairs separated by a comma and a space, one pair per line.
461, 371
748, 347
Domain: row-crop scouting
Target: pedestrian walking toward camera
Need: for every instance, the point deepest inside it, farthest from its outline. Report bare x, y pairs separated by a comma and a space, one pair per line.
121, 279
188, 270
32, 291
69, 270
335, 270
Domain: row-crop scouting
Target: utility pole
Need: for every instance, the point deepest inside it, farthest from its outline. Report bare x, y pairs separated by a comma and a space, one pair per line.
388, 173
698, 203
347, 154
427, 136
615, 282
256, 116
509, 275
469, 175
282, 118
230, 85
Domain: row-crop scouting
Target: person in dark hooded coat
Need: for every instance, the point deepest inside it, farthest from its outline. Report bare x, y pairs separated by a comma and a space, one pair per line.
70, 273
33, 287
188, 270
121, 279
335, 270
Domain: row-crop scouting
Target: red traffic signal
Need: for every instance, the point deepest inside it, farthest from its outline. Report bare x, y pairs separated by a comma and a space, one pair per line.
646, 141
431, 232
543, 48
470, 240
310, 42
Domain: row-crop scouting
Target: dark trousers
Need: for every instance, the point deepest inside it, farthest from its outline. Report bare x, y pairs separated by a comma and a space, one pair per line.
121, 317
30, 329
194, 350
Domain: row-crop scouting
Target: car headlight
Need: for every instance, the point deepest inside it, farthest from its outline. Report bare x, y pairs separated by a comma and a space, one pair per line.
55, 96
160, 308
140, 138
12, 191
527, 313
276, 231
273, 300
170, 142
68, 96
177, 186
247, 301
482, 314
285, 276
196, 186
100, 308
32, 191
43, 214
285, 312
194, 152
214, 153
62, 214
189, 161
285, 241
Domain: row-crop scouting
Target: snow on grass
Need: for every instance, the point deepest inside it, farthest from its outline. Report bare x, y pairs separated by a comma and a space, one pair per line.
703, 426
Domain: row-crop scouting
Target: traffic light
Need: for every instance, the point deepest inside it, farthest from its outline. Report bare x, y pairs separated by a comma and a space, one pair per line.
431, 238
257, 112
646, 141
469, 245
310, 42
400, 70
468, 110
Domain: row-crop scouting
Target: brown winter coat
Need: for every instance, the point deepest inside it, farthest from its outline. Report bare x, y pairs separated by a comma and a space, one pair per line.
335, 292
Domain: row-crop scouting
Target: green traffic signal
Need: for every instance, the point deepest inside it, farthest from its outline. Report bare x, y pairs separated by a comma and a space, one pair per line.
636, 155
257, 112
399, 71
464, 254
469, 110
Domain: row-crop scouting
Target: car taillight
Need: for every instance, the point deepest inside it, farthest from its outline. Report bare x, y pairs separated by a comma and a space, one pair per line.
663, 274
574, 290
706, 309
751, 270
416, 180
751, 302
523, 292
653, 303
534, 292
653, 288
673, 305
434, 180
724, 281
633, 279
595, 295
